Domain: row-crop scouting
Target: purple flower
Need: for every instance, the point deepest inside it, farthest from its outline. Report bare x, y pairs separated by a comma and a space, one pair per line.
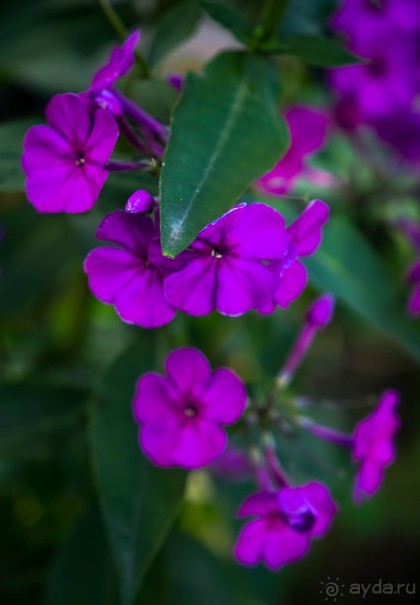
120, 62
308, 129
65, 162
373, 445
305, 236
131, 276
413, 276
285, 523
182, 415
227, 266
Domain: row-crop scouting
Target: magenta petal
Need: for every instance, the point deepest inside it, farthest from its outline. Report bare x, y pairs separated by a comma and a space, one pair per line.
320, 498
260, 503
69, 114
256, 232
291, 284
129, 231
120, 61
142, 301
308, 128
243, 285
192, 288
225, 397
199, 443
189, 370
154, 399
306, 231
44, 149
108, 270
101, 142
159, 439
249, 545
284, 545
368, 480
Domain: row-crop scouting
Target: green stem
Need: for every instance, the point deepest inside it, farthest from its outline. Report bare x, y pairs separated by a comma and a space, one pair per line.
117, 24
271, 17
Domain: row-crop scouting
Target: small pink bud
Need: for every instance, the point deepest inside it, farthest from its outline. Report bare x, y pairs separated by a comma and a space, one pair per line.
321, 311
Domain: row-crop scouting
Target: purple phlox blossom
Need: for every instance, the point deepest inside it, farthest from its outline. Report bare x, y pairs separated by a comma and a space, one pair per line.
120, 62
373, 445
66, 162
317, 317
305, 236
182, 415
130, 276
359, 20
413, 277
308, 130
401, 131
284, 525
140, 202
227, 266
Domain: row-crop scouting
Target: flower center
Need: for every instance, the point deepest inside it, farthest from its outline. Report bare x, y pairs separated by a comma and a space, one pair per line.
302, 521
216, 253
190, 410
80, 161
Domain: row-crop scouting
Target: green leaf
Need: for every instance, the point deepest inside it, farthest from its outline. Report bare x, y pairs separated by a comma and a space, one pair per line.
12, 178
229, 17
140, 501
315, 50
84, 572
177, 25
226, 132
155, 96
347, 266
33, 415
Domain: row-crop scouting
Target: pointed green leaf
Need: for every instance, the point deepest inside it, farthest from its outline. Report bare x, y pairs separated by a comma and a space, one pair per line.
140, 501
177, 25
315, 50
84, 572
347, 266
228, 17
226, 132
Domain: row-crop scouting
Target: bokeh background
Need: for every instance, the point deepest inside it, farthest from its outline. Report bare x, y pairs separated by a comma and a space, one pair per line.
56, 341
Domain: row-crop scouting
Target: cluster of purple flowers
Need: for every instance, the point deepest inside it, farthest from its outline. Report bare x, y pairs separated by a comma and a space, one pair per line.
381, 92
182, 417
68, 161
247, 259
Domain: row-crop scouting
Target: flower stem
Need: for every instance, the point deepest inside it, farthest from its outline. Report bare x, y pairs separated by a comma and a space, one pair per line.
118, 26
120, 166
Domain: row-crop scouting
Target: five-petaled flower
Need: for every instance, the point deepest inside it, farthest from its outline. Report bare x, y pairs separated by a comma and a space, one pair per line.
373, 445
285, 523
131, 276
65, 162
182, 415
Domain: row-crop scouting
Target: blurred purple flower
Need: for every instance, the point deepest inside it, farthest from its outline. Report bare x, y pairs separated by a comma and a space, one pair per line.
131, 276
66, 162
182, 415
373, 445
308, 129
120, 62
226, 267
285, 523
233, 465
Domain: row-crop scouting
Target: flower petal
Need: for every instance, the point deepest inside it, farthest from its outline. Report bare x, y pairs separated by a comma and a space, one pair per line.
250, 543
154, 399
291, 284
192, 288
130, 231
199, 443
189, 370
224, 397
103, 136
284, 545
69, 114
306, 231
108, 270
